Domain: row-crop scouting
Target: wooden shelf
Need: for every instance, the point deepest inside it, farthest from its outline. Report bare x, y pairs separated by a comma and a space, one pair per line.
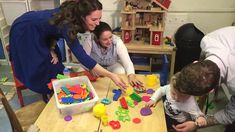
142, 67
151, 11
147, 37
128, 12
127, 28
139, 47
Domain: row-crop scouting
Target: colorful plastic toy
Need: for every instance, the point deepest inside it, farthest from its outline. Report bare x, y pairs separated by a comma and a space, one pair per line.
74, 94
129, 91
145, 111
115, 124
60, 76
136, 120
151, 80
99, 110
117, 94
123, 103
150, 91
131, 103
135, 97
146, 98
68, 118
122, 114
104, 120
106, 101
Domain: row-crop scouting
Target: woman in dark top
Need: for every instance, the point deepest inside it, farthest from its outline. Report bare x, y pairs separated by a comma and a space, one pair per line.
31, 35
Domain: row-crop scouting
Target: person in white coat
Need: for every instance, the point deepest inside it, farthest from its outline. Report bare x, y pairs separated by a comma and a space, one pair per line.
218, 48
110, 52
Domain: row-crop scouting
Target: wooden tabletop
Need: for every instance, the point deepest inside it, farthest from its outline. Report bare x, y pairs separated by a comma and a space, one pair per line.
52, 120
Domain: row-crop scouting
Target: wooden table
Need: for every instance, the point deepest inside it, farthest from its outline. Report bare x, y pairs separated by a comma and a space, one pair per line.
139, 48
51, 120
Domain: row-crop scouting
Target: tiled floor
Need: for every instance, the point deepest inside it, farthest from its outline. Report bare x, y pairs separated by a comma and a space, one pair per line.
30, 97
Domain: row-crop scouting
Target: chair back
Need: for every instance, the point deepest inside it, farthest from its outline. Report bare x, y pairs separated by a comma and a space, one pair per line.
18, 83
15, 124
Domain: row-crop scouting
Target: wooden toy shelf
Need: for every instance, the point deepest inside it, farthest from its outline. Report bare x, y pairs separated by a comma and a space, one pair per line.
140, 48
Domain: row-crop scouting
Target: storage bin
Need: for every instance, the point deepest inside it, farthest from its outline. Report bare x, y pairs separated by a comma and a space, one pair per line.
74, 108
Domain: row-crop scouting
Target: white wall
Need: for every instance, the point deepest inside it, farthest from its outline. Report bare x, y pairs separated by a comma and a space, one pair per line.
207, 15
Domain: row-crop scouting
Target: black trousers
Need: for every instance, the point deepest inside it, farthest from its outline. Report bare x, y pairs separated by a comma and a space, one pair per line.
230, 128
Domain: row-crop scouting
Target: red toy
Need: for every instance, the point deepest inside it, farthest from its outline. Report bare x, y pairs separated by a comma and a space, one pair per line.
156, 39
127, 36
115, 124
136, 120
123, 103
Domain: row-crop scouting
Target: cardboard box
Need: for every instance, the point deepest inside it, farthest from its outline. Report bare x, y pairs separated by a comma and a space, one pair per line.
74, 108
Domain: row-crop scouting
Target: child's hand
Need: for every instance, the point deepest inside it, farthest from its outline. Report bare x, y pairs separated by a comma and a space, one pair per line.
201, 121
151, 103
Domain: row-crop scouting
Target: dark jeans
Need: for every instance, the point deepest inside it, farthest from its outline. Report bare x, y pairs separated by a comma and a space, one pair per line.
169, 120
230, 128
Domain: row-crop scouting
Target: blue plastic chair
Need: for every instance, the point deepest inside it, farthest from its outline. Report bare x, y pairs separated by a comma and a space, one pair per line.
163, 73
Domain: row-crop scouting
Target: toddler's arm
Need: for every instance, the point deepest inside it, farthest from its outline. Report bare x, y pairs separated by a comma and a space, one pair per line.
157, 95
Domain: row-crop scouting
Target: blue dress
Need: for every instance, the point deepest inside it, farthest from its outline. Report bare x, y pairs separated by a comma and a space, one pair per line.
30, 50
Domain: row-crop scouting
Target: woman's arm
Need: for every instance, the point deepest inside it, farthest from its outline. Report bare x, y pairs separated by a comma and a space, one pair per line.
99, 70
127, 63
124, 56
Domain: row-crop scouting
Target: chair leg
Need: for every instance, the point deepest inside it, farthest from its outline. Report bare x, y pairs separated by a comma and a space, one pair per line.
45, 98
20, 97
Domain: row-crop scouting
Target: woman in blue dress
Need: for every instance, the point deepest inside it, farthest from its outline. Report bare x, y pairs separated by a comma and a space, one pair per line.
32, 33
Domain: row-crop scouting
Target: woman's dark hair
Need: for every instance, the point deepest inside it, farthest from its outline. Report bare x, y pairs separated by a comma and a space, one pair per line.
71, 13
198, 78
102, 27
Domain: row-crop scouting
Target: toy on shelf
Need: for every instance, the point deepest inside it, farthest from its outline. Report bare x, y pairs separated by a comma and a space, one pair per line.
143, 20
163, 3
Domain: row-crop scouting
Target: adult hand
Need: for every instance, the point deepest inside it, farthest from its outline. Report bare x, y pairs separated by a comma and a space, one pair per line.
119, 82
54, 58
188, 126
134, 81
201, 121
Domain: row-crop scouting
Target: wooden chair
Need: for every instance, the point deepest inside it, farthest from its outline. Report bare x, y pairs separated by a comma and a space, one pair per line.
24, 117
